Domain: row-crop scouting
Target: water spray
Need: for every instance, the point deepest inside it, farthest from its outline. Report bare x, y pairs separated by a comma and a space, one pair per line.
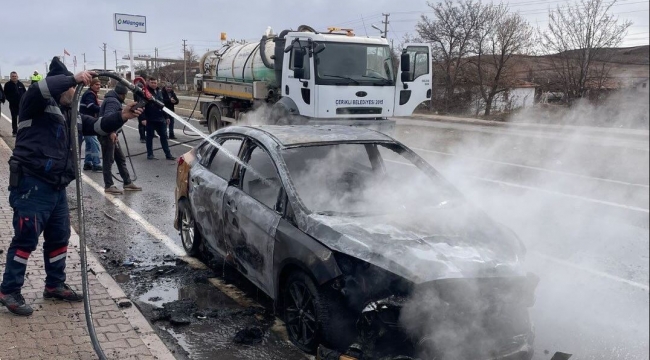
143, 97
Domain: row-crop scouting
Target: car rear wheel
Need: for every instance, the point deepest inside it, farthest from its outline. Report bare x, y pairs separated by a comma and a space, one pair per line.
190, 236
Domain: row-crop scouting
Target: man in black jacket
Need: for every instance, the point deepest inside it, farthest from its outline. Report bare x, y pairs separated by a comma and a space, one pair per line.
41, 167
14, 91
170, 99
154, 119
111, 151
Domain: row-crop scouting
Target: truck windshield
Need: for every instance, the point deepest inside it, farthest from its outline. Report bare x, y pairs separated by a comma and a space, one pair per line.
354, 64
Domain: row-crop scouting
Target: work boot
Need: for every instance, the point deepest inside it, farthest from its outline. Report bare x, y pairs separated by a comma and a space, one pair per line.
113, 190
88, 166
98, 168
62, 292
170, 157
132, 187
15, 303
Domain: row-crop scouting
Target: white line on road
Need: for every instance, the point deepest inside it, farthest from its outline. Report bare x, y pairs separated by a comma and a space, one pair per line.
166, 240
591, 271
534, 168
633, 208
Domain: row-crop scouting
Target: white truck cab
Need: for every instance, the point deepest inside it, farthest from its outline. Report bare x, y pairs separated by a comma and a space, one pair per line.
306, 76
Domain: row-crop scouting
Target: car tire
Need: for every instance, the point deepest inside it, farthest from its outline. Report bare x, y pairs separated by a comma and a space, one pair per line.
312, 316
190, 236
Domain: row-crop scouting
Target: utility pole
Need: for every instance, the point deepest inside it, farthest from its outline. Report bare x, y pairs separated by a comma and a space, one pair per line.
115, 52
104, 49
155, 61
185, 64
84, 55
385, 22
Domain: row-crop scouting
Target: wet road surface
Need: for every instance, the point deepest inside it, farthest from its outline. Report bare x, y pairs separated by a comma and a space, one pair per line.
579, 203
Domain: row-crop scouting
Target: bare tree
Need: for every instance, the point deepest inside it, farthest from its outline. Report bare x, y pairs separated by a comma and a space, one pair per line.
580, 36
499, 36
450, 32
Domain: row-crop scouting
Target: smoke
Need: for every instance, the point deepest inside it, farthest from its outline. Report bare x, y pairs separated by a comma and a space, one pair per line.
576, 195
578, 199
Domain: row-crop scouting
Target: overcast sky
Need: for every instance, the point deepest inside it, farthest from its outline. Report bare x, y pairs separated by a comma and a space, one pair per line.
33, 31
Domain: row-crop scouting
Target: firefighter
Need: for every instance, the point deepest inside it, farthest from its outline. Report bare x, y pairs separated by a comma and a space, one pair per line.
41, 167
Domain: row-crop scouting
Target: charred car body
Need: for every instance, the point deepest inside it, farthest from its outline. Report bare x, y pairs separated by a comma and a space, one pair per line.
363, 246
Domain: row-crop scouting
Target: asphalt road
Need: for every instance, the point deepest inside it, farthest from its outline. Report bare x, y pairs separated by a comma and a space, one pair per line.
579, 203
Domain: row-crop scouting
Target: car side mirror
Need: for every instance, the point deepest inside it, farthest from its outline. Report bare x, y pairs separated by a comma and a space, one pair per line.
298, 59
405, 62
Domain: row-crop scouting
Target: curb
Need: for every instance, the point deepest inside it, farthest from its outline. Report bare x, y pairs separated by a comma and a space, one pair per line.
139, 323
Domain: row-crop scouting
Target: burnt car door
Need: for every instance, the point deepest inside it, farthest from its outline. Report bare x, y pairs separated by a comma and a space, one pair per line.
252, 216
210, 182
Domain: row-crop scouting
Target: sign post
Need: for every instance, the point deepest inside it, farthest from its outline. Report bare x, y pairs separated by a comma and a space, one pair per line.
130, 24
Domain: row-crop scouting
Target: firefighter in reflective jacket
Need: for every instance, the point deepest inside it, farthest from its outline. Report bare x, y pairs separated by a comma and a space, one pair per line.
36, 77
41, 167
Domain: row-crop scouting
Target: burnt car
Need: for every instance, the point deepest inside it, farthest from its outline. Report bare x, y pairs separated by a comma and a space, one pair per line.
364, 246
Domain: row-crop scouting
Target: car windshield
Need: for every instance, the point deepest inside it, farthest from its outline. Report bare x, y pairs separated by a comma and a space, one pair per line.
363, 179
354, 64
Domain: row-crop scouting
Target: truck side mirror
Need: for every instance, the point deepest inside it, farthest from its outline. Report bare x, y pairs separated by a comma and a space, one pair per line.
298, 59
405, 62
406, 76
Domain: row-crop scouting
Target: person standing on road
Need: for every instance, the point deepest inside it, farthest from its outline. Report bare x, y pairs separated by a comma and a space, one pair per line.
155, 119
41, 167
36, 77
111, 152
90, 106
14, 91
2, 97
170, 99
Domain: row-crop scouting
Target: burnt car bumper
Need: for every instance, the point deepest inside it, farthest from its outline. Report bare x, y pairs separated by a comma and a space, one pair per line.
456, 318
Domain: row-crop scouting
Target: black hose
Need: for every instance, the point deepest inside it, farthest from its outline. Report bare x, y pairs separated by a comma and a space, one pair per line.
265, 60
80, 206
135, 176
190, 117
82, 226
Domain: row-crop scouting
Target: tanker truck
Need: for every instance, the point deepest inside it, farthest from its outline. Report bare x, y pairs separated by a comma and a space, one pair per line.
310, 77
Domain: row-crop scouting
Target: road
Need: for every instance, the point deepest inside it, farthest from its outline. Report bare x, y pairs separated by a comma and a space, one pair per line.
579, 202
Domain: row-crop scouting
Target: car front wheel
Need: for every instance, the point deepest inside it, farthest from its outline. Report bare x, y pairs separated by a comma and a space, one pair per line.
314, 314
190, 236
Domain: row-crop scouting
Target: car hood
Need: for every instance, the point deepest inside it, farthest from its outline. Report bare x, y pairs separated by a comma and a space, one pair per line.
449, 241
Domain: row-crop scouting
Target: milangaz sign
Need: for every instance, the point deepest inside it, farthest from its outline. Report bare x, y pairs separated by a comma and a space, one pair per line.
131, 23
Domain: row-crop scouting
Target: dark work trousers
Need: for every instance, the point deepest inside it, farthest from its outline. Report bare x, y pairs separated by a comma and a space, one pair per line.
171, 127
38, 208
113, 153
14, 108
141, 130
159, 127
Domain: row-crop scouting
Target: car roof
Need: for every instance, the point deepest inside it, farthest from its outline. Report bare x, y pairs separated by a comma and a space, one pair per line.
297, 135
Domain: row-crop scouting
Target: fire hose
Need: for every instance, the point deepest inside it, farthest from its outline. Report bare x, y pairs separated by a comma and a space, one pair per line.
143, 96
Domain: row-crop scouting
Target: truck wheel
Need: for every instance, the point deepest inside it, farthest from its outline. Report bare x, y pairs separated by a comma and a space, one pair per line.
214, 119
